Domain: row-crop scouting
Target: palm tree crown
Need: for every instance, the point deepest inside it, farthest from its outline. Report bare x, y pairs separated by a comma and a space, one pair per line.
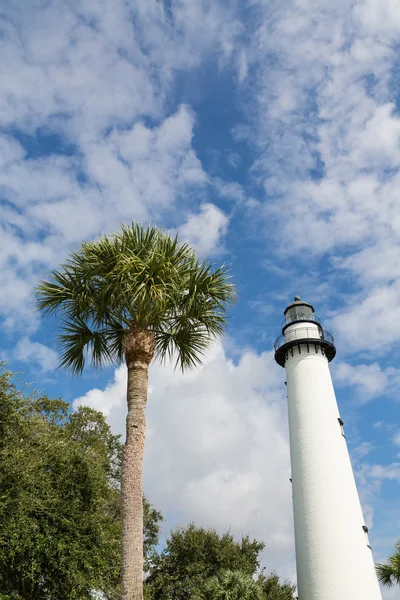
231, 585
389, 573
138, 279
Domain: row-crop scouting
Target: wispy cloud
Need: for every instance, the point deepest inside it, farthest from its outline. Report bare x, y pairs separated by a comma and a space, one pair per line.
326, 124
371, 380
206, 229
36, 354
89, 137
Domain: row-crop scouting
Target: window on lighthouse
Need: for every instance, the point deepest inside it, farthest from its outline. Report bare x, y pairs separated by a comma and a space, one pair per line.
341, 423
301, 313
365, 529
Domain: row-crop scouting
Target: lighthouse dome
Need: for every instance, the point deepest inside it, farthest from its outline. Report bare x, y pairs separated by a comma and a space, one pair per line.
298, 310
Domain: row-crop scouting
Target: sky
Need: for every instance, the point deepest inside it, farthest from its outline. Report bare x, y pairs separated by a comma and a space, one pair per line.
267, 134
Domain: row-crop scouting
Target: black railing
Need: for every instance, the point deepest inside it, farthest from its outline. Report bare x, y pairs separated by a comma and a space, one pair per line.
299, 318
304, 333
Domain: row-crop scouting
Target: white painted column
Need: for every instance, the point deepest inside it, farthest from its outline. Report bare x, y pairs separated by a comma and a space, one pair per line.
333, 559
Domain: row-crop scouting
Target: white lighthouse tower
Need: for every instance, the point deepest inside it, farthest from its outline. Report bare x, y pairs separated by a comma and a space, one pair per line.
333, 554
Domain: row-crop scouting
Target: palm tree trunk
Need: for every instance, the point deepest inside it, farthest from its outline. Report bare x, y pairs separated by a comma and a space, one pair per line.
139, 348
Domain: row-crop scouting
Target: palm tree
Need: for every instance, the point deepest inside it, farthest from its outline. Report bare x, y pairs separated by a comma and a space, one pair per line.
134, 296
230, 585
389, 572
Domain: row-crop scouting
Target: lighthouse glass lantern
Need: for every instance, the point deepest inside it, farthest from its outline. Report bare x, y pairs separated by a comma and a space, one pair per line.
299, 311
333, 554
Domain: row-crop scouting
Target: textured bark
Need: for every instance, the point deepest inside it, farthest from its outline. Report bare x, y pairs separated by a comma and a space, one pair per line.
139, 351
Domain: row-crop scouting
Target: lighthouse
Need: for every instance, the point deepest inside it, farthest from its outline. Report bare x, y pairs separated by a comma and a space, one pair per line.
333, 553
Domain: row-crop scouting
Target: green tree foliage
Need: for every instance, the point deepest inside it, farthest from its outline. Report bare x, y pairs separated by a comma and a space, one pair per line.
273, 589
389, 572
194, 556
59, 500
230, 585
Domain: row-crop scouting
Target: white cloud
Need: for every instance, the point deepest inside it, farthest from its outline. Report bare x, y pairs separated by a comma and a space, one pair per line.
76, 67
135, 174
375, 264
371, 479
35, 353
380, 20
327, 129
10, 150
217, 449
362, 450
100, 79
381, 472
369, 379
113, 396
206, 229
90, 65
372, 321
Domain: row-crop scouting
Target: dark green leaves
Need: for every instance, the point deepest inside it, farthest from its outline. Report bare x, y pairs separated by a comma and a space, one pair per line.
200, 564
139, 277
184, 340
273, 589
59, 524
389, 572
59, 501
230, 585
194, 554
77, 340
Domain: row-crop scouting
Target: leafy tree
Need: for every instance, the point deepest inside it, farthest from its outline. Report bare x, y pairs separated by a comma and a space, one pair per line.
131, 297
193, 555
230, 585
389, 572
59, 500
273, 589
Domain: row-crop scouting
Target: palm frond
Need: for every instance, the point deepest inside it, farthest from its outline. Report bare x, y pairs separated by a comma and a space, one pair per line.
197, 303
385, 574
99, 258
207, 292
389, 572
230, 585
136, 239
115, 335
140, 277
183, 341
77, 340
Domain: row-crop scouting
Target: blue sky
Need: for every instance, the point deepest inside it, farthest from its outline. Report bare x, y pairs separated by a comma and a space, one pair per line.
267, 134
